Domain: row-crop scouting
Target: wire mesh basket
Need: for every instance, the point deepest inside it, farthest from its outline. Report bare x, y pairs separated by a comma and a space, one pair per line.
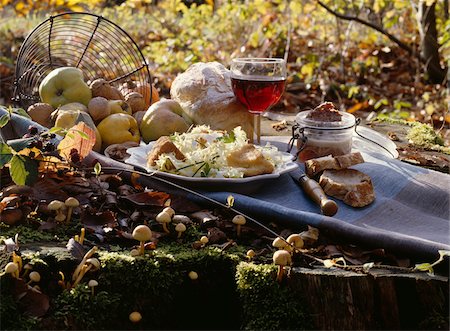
99, 47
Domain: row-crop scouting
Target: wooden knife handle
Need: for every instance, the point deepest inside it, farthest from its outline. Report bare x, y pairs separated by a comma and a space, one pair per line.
314, 191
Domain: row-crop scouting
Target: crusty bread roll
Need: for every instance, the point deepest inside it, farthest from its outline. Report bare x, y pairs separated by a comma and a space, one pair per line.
204, 92
351, 186
316, 166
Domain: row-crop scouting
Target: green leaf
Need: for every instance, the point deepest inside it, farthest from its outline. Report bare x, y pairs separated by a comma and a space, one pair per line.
424, 267
82, 134
6, 154
56, 129
205, 170
381, 102
353, 90
23, 170
4, 120
21, 112
228, 138
97, 169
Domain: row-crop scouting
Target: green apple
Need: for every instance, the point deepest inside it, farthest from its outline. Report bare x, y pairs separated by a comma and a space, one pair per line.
74, 106
118, 128
119, 106
64, 85
164, 118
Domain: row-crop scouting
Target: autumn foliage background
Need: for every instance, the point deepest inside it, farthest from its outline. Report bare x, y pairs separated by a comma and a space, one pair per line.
343, 61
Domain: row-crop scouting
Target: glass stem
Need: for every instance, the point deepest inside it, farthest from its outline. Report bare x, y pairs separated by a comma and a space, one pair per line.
257, 128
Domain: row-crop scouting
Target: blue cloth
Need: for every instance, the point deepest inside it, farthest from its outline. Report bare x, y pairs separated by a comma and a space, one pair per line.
410, 214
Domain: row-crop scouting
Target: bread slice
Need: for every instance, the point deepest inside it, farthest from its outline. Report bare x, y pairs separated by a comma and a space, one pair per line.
251, 160
163, 146
351, 186
316, 166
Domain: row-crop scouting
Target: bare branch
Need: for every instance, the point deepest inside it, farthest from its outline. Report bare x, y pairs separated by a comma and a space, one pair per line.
370, 25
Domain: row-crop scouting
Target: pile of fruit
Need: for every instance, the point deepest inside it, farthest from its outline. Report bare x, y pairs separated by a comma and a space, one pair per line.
116, 114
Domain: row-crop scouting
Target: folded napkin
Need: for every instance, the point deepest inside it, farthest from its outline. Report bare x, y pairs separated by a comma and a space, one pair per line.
410, 214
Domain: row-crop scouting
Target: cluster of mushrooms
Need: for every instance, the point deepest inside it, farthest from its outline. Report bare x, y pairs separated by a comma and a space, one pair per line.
60, 207
286, 247
16, 267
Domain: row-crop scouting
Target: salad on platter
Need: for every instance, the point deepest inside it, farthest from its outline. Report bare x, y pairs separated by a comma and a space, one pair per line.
204, 152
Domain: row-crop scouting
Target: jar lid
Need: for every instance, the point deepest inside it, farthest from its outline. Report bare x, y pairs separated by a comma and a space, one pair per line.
347, 121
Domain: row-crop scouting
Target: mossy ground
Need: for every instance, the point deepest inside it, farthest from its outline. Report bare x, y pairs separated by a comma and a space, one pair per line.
228, 293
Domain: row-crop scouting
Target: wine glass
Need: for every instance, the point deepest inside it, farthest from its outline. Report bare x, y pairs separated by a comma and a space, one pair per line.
258, 83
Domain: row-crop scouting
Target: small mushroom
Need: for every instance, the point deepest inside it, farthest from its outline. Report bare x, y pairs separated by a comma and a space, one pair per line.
60, 217
279, 243
34, 277
193, 275
180, 228
142, 233
295, 240
86, 256
28, 267
281, 258
11, 268
135, 317
82, 234
239, 220
169, 210
70, 203
250, 254
57, 206
164, 218
135, 252
62, 282
92, 284
310, 236
204, 240
91, 264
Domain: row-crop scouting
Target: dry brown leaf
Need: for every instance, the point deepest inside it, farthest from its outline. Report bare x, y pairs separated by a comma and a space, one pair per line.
47, 190
106, 217
148, 198
80, 137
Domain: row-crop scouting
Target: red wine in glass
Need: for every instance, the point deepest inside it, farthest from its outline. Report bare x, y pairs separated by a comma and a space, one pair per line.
258, 93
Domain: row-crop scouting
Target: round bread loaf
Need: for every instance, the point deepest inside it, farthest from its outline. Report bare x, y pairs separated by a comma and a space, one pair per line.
204, 92
351, 186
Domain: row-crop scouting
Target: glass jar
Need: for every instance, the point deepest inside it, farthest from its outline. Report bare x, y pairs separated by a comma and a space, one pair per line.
321, 138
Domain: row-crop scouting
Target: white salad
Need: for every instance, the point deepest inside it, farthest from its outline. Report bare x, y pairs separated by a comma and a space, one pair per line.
206, 153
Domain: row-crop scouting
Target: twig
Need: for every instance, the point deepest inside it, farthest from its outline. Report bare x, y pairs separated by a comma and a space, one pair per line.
370, 25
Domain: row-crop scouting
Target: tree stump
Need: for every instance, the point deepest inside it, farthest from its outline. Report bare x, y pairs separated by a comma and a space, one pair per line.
381, 299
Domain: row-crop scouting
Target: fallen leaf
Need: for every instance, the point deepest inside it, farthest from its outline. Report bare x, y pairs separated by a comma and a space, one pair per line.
34, 303
48, 190
183, 205
134, 178
47, 226
105, 217
358, 106
76, 249
151, 198
80, 137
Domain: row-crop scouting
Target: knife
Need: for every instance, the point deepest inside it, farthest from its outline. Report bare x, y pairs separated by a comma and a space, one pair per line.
314, 191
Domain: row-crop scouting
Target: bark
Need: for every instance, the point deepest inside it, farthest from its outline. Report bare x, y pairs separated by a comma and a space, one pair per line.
381, 299
428, 40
